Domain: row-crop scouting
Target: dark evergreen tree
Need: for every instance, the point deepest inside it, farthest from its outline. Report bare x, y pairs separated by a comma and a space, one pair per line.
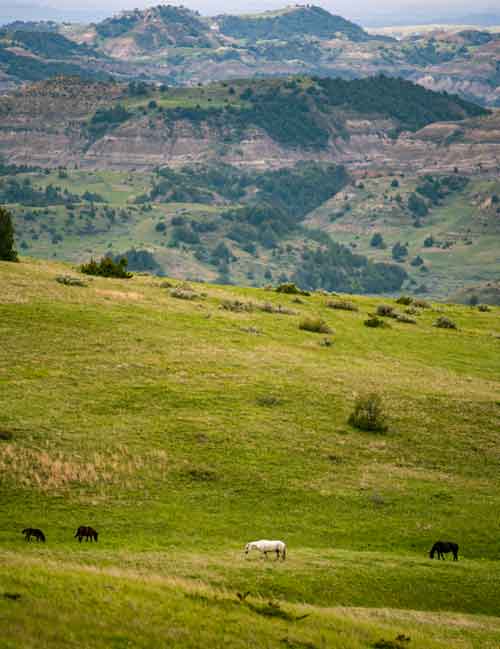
7, 250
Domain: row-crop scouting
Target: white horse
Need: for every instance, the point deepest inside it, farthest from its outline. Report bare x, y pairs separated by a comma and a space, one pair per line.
267, 546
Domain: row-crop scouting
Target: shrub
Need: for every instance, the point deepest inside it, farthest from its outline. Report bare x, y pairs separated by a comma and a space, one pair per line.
377, 241
316, 325
368, 413
237, 306
385, 311
445, 323
406, 300
374, 322
402, 317
399, 251
184, 293
484, 308
290, 289
421, 304
67, 280
5, 435
7, 250
107, 267
267, 307
342, 305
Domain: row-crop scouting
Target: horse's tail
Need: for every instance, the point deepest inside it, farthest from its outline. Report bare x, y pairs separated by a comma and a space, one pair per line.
283, 552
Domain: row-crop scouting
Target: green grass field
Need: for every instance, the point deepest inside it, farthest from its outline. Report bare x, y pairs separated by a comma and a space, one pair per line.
181, 431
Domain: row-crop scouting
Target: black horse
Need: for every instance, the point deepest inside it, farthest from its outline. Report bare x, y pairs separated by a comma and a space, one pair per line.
444, 547
87, 532
33, 531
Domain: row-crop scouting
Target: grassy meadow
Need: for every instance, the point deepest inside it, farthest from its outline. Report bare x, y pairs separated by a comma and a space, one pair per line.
180, 430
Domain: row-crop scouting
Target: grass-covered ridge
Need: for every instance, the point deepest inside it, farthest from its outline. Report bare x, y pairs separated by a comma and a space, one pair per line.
180, 430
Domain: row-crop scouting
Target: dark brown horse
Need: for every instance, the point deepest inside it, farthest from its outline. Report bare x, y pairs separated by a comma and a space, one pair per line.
444, 547
87, 532
33, 531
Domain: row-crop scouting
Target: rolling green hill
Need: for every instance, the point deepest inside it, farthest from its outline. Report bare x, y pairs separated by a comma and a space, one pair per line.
183, 428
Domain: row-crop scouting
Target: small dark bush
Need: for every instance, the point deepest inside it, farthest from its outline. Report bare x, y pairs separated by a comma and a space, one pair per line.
445, 323
484, 308
5, 435
315, 325
374, 322
368, 414
290, 289
385, 311
405, 300
107, 267
342, 305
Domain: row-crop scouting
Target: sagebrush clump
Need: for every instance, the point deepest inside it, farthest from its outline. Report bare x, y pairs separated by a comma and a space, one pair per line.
237, 306
342, 305
368, 414
316, 325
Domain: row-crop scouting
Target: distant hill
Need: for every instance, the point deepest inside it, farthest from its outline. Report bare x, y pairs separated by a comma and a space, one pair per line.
289, 23
177, 46
157, 27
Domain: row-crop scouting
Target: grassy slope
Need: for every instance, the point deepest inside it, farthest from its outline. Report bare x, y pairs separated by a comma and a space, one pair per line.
151, 418
458, 218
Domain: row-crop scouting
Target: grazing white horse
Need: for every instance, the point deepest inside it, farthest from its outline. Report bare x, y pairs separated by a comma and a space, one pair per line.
267, 546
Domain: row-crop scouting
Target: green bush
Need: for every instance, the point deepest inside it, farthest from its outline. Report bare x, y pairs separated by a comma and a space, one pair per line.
342, 305
484, 308
421, 304
289, 288
107, 267
385, 311
402, 317
374, 322
7, 250
445, 323
405, 300
368, 413
316, 325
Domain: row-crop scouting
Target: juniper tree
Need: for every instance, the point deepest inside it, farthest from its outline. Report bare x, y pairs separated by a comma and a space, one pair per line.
7, 250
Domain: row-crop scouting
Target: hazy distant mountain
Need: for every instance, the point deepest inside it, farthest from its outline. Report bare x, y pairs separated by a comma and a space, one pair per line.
11, 12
